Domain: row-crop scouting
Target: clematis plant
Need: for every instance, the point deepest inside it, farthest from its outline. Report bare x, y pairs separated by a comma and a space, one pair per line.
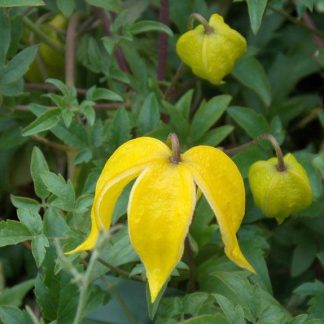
163, 198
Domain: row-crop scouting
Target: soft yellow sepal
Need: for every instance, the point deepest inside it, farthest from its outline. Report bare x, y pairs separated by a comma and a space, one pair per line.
280, 193
211, 56
221, 182
160, 210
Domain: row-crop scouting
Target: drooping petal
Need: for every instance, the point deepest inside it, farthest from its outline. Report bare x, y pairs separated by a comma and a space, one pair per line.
160, 210
125, 164
221, 182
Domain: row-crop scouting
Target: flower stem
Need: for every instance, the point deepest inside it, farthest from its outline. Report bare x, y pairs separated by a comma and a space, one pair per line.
175, 145
196, 16
175, 79
268, 137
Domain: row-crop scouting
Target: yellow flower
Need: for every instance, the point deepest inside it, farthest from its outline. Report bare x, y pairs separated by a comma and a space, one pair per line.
211, 51
280, 193
163, 198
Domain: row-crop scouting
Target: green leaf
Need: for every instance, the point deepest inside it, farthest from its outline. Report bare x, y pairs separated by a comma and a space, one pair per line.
250, 73
13, 232
38, 165
44, 122
32, 220
24, 203
234, 314
67, 7
18, 66
310, 288
216, 135
64, 191
183, 105
111, 5
303, 256
21, 3
39, 244
14, 296
95, 94
207, 115
120, 128
148, 26
207, 319
253, 123
256, 10
149, 116
5, 36
13, 315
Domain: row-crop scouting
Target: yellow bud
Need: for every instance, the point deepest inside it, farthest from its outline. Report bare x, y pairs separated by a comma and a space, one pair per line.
280, 193
211, 55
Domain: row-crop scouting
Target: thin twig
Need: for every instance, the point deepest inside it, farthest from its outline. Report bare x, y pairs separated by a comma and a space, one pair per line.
55, 145
101, 13
310, 23
298, 22
42, 36
70, 49
119, 271
268, 137
192, 266
163, 40
174, 81
49, 87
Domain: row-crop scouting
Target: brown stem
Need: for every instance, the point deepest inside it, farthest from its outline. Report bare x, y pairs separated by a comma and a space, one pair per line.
58, 146
174, 80
310, 23
49, 87
192, 266
175, 145
163, 40
298, 22
196, 16
119, 271
101, 13
268, 137
70, 50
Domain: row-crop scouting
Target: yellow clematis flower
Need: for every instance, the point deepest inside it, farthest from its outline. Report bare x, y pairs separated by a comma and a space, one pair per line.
163, 198
280, 193
211, 49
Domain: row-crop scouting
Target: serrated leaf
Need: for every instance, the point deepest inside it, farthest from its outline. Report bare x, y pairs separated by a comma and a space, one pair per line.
32, 220
24, 203
44, 122
38, 165
13, 232
250, 73
256, 10
148, 26
39, 244
18, 65
207, 115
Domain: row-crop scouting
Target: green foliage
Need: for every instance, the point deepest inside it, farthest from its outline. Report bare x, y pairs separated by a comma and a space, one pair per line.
56, 136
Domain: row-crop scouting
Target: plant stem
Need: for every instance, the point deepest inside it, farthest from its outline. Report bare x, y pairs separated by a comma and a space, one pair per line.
175, 79
41, 35
192, 266
84, 288
298, 22
163, 40
175, 145
196, 16
57, 146
49, 87
119, 271
70, 50
268, 137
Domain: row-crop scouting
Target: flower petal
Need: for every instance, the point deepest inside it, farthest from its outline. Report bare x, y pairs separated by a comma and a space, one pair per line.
125, 164
221, 182
160, 210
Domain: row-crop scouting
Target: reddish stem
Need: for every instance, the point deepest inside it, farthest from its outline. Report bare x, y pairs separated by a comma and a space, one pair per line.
163, 40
